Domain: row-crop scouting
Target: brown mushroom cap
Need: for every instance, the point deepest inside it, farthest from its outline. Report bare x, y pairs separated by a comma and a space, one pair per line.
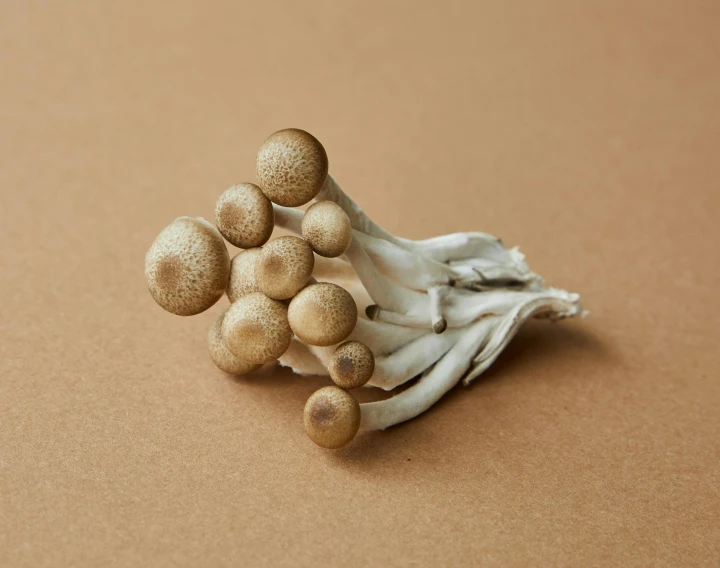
326, 227
283, 267
242, 274
352, 365
322, 314
255, 328
292, 167
332, 417
187, 267
221, 355
244, 216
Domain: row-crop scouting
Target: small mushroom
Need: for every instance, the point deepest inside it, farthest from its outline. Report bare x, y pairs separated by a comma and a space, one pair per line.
256, 329
352, 365
326, 227
322, 314
187, 267
221, 355
332, 417
292, 167
244, 216
283, 267
242, 274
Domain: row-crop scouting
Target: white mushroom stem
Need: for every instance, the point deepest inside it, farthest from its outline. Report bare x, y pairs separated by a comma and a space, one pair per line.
383, 338
409, 269
288, 218
462, 307
358, 219
555, 308
443, 249
436, 295
391, 370
384, 291
434, 383
409, 361
479, 345
376, 261
301, 360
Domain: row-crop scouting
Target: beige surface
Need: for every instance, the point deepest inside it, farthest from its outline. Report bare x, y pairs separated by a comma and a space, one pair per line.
586, 132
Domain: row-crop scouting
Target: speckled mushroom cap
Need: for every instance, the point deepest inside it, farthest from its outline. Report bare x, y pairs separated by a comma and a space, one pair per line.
284, 267
352, 365
242, 274
221, 355
326, 227
292, 167
256, 329
322, 314
245, 216
187, 267
332, 417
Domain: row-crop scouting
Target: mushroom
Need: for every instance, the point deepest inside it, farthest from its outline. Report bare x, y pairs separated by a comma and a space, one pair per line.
322, 314
292, 167
332, 417
351, 365
244, 216
283, 267
242, 274
443, 308
221, 355
256, 329
326, 227
187, 267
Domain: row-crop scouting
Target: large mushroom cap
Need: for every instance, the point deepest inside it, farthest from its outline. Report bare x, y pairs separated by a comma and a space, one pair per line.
242, 274
256, 329
245, 216
292, 167
322, 314
326, 227
283, 267
187, 267
332, 417
221, 355
352, 365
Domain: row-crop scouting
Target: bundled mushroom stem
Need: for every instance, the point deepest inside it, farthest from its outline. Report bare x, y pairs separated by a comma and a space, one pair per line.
449, 315
463, 295
442, 309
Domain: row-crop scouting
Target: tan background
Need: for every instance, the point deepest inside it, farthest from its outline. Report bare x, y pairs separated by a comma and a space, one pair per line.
586, 132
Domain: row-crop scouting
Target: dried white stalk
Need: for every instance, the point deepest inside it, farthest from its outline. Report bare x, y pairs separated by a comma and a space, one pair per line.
444, 308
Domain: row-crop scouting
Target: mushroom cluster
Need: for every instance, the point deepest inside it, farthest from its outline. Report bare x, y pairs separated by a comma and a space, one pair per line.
443, 308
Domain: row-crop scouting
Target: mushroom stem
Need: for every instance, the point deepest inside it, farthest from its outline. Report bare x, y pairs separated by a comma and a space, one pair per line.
384, 291
479, 346
456, 247
391, 370
409, 269
372, 256
382, 338
301, 360
288, 218
376, 313
463, 307
433, 384
555, 307
436, 294
409, 361
358, 218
